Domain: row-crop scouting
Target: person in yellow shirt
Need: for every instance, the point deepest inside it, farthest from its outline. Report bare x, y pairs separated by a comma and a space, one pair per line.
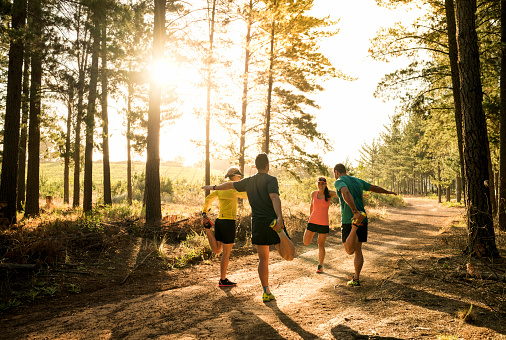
224, 230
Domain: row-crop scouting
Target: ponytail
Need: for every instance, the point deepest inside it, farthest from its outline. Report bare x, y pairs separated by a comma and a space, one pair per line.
326, 193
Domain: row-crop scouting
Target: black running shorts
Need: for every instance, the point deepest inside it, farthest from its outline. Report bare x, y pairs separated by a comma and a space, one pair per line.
361, 232
224, 231
263, 235
317, 228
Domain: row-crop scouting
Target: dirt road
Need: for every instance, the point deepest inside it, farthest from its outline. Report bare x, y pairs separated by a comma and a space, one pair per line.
391, 304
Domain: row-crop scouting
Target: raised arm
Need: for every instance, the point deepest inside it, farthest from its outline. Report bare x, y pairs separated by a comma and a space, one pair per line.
223, 186
276, 203
380, 190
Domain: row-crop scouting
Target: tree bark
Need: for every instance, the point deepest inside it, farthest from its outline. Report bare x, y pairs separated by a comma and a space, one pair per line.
502, 119
242, 142
439, 184
152, 189
128, 135
12, 115
267, 126
105, 119
90, 116
82, 57
454, 68
32, 178
66, 170
481, 237
458, 188
23, 137
208, 102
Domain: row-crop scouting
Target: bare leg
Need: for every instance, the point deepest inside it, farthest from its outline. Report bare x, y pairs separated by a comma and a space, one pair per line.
225, 256
216, 246
358, 261
263, 266
351, 243
308, 237
321, 248
285, 247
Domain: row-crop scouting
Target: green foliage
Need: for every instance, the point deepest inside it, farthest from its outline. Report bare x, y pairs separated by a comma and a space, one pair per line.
12, 303
74, 289
195, 248
374, 200
91, 223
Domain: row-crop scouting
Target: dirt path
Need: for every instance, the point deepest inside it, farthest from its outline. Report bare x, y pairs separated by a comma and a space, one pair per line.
390, 304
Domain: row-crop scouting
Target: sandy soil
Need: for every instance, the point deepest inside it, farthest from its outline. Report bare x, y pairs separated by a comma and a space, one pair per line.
411, 289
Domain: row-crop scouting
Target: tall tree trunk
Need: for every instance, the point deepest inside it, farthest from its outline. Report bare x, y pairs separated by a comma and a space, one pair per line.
152, 189
77, 139
267, 128
68, 138
502, 138
454, 67
481, 237
12, 112
129, 137
242, 143
458, 189
105, 118
32, 178
90, 116
23, 137
439, 184
208, 103
81, 58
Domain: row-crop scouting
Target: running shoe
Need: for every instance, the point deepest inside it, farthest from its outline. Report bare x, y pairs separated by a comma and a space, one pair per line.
268, 297
353, 282
359, 222
320, 269
226, 283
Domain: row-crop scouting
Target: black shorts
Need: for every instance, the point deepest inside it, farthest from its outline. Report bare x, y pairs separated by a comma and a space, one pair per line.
263, 235
317, 228
224, 231
361, 232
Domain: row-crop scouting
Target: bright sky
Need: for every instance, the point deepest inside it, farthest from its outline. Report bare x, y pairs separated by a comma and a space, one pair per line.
349, 114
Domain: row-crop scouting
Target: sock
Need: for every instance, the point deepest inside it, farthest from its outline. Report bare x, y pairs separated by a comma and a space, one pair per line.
266, 290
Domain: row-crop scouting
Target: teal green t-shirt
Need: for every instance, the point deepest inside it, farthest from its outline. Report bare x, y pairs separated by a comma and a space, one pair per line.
356, 186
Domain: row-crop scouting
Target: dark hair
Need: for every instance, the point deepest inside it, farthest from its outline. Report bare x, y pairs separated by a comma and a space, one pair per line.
340, 168
326, 193
261, 161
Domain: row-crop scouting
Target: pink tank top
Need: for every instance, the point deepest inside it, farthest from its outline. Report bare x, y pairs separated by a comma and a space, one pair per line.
320, 214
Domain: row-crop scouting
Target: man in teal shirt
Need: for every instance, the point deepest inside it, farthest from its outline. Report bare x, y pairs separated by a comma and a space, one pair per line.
349, 190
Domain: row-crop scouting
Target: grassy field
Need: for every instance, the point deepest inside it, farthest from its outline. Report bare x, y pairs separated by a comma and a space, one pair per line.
53, 171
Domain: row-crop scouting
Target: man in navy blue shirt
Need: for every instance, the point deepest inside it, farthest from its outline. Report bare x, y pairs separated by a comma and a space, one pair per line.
267, 225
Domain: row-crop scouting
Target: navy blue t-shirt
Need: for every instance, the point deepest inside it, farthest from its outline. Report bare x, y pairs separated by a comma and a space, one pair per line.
258, 187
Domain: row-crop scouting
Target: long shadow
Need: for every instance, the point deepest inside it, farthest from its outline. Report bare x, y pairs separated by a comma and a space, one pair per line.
345, 332
288, 322
441, 304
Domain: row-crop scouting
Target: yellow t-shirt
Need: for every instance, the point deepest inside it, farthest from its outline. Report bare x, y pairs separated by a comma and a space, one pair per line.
227, 202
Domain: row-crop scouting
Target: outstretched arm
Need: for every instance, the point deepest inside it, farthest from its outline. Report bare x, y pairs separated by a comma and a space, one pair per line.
223, 186
380, 190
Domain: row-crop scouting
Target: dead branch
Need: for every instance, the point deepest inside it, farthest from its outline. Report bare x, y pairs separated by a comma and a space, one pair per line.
136, 266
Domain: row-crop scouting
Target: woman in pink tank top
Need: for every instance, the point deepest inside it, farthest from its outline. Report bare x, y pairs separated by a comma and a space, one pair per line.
319, 219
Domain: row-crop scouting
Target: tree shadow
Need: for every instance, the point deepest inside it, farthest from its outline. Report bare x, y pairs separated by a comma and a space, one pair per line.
395, 291
288, 322
343, 332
